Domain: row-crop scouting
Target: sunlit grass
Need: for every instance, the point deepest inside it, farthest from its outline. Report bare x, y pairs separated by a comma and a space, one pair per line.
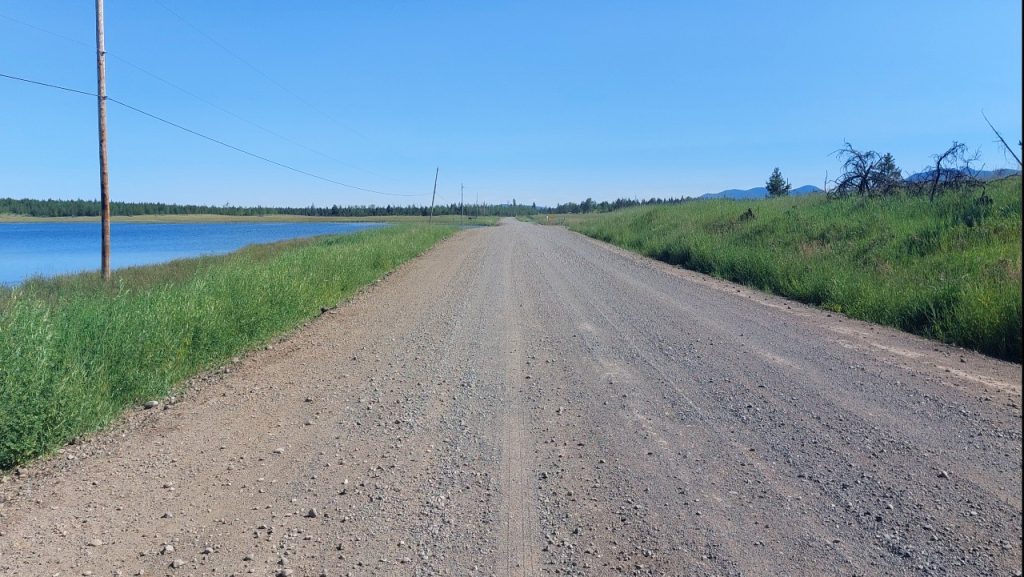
949, 270
74, 352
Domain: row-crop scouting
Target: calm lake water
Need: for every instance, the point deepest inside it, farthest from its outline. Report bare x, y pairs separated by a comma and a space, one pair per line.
28, 249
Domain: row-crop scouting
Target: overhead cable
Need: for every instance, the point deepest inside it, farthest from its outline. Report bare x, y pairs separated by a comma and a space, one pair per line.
256, 69
188, 92
205, 137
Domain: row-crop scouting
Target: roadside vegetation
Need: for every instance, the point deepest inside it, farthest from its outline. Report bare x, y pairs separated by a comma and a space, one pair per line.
74, 352
946, 266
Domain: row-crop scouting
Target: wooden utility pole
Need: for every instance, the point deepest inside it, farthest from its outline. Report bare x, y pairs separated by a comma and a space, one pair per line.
462, 201
101, 103
432, 196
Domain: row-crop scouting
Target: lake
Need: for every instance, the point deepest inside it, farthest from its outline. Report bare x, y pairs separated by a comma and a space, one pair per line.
48, 249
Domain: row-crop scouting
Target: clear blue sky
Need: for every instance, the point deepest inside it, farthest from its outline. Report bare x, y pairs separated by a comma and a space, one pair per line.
534, 100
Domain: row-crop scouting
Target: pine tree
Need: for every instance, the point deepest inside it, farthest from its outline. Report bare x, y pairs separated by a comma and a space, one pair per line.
888, 177
776, 185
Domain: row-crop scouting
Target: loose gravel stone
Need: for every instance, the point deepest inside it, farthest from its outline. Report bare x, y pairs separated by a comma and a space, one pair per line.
674, 427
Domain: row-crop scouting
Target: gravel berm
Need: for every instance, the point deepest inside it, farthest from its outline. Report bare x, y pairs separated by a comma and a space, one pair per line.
524, 401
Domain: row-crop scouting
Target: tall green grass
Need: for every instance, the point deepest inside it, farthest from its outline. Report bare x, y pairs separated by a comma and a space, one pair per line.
74, 352
949, 269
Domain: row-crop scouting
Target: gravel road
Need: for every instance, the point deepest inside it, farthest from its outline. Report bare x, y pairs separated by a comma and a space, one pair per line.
524, 401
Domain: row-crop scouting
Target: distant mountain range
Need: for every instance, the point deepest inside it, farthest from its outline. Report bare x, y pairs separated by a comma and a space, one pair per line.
980, 174
761, 192
758, 192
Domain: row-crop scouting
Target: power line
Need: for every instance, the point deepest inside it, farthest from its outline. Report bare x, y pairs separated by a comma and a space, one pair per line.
239, 118
205, 137
252, 154
390, 147
188, 92
48, 85
45, 31
259, 71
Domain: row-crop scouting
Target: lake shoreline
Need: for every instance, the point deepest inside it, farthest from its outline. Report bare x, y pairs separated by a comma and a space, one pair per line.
83, 349
50, 249
222, 218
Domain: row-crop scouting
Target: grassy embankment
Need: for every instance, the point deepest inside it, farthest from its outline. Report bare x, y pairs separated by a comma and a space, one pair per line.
75, 352
949, 270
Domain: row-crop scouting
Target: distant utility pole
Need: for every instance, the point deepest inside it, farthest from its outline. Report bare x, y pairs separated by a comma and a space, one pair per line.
101, 103
462, 201
434, 195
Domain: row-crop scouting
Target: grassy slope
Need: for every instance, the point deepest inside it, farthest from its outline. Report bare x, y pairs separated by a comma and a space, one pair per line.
75, 352
949, 270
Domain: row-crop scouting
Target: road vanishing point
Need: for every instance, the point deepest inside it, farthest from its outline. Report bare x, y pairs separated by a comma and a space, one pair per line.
525, 401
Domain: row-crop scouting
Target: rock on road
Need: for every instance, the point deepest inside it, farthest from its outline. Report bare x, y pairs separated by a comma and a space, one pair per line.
524, 401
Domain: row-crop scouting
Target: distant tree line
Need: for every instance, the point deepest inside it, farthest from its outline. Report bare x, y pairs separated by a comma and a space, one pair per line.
52, 208
590, 205
65, 208
865, 173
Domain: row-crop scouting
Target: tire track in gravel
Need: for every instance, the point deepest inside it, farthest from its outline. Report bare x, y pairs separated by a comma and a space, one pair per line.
518, 504
635, 370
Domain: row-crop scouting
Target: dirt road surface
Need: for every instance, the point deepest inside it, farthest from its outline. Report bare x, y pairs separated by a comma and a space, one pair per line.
524, 401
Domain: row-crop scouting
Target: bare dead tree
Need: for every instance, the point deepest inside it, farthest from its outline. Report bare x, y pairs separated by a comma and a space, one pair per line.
859, 168
867, 173
937, 171
953, 170
1001, 139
